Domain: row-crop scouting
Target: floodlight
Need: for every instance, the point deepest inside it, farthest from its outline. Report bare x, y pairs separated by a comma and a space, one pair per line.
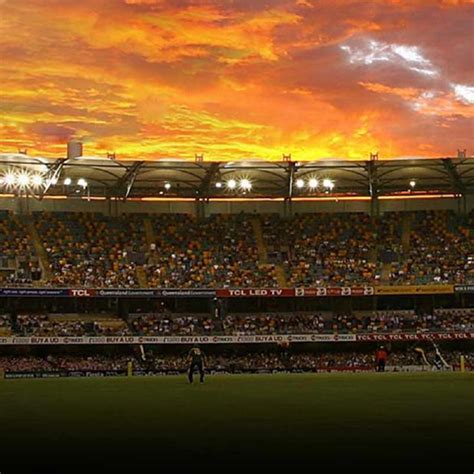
37, 180
245, 184
328, 184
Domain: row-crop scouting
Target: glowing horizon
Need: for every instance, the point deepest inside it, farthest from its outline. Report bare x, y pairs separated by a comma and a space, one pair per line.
236, 79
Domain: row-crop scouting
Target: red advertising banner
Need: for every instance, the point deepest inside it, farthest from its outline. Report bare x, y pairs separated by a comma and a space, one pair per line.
336, 291
440, 336
300, 292
255, 292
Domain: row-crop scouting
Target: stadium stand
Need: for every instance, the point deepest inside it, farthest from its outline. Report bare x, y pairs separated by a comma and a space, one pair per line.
71, 325
18, 262
441, 251
5, 325
324, 249
91, 249
274, 323
218, 251
231, 250
177, 324
185, 324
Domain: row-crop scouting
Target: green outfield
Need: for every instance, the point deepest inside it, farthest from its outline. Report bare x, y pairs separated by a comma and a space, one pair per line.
342, 419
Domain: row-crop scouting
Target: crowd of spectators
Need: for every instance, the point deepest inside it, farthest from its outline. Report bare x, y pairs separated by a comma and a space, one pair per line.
372, 322
166, 325
32, 324
408, 321
459, 319
92, 250
54, 363
375, 321
18, 259
41, 325
389, 237
349, 249
219, 251
115, 327
257, 361
49, 326
318, 249
325, 249
169, 324
441, 251
5, 325
23, 276
293, 323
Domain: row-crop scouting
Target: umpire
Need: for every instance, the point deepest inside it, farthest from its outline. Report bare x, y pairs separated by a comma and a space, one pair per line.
196, 359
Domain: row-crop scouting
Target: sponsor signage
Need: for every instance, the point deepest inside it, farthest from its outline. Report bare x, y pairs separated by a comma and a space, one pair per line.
413, 290
336, 291
254, 292
213, 371
106, 292
244, 339
29, 292
464, 289
63, 373
197, 292
441, 336
234, 292
300, 292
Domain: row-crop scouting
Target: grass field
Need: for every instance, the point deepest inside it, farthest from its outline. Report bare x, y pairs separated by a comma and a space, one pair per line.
387, 420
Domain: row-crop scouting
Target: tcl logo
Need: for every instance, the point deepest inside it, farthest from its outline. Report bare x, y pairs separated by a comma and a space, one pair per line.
81, 293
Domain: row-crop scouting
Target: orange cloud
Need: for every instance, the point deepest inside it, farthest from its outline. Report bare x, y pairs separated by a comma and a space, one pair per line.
151, 78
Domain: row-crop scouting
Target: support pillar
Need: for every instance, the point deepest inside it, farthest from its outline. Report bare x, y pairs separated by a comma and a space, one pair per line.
200, 210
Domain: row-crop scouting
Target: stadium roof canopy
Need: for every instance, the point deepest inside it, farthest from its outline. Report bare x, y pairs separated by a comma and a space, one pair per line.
168, 178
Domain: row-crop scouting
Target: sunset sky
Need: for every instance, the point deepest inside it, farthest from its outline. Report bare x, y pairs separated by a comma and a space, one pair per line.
237, 79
